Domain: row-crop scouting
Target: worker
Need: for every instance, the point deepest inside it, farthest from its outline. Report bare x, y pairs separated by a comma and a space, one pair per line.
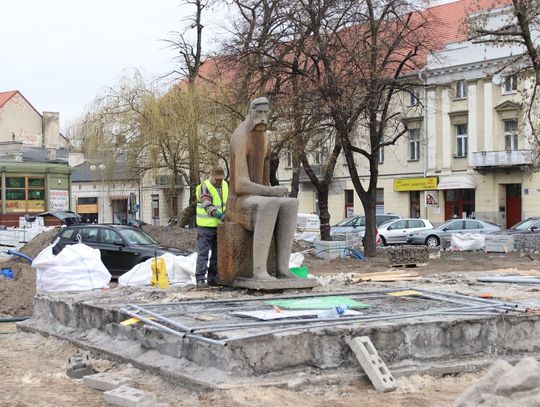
211, 197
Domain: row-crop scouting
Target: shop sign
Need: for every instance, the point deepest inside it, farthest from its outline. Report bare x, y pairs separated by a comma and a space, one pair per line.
415, 184
432, 198
58, 200
88, 208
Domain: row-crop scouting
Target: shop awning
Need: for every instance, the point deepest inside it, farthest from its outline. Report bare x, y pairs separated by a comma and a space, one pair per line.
457, 182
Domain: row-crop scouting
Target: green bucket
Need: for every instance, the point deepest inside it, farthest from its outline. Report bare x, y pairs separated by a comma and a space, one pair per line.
301, 272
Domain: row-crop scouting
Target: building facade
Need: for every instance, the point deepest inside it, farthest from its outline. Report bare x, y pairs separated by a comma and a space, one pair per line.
34, 173
467, 153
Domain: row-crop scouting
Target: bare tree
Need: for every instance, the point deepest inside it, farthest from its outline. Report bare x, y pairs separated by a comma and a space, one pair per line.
347, 60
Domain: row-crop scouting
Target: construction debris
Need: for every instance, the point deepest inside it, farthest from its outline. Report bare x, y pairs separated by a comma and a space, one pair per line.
79, 365
408, 255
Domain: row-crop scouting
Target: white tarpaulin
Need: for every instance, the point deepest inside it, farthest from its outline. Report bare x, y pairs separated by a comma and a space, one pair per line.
467, 241
77, 267
180, 270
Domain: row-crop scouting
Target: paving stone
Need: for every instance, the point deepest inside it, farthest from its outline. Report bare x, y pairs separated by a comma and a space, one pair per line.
106, 381
373, 365
277, 284
125, 396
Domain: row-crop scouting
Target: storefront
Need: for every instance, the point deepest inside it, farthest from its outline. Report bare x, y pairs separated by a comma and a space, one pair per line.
459, 196
415, 188
32, 188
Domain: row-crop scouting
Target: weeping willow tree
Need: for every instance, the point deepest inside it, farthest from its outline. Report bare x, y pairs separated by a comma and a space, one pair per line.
151, 130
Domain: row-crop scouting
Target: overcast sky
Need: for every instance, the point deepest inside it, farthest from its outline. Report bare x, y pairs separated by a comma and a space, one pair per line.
60, 53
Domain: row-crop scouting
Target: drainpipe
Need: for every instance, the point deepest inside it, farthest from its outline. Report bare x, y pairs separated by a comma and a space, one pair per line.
423, 78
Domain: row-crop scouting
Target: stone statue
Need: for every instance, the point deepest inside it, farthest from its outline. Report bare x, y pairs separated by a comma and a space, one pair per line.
265, 212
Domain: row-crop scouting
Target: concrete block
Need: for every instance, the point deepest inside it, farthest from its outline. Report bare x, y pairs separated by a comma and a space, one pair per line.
79, 365
106, 381
125, 396
373, 365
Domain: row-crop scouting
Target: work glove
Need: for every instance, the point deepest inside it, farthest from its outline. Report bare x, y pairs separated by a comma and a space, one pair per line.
220, 215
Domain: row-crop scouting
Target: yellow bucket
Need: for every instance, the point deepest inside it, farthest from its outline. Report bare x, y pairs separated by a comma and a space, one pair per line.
159, 273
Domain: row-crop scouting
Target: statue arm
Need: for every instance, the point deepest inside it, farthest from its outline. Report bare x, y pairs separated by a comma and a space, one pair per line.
243, 185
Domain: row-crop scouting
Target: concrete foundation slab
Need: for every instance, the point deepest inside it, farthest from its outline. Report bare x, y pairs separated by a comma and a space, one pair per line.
431, 343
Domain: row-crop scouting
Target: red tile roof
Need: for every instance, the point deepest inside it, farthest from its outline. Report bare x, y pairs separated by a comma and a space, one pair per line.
5, 96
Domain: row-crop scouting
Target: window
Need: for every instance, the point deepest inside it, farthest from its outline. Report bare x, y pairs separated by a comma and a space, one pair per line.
349, 203
510, 84
455, 225
510, 135
416, 224
414, 97
155, 206
400, 224
473, 224
110, 237
379, 200
461, 140
414, 144
87, 200
25, 194
461, 89
289, 159
89, 235
381, 155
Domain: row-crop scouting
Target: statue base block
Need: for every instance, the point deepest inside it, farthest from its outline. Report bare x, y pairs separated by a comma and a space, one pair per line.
277, 284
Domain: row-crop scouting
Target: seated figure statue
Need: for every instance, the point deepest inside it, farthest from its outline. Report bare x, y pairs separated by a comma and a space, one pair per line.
260, 208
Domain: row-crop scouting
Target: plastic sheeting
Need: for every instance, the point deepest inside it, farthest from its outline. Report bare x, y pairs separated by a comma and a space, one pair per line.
77, 267
180, 270
467, 241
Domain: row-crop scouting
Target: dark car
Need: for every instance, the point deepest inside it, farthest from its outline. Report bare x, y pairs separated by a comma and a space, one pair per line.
121, 247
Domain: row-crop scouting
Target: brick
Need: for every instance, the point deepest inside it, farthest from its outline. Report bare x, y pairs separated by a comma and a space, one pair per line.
79, 365
372, 364
125, 396
106, 381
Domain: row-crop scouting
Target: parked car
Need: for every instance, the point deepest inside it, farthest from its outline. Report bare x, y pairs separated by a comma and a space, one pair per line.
398, 230
121, 247
433, 237
525, 226
357, 224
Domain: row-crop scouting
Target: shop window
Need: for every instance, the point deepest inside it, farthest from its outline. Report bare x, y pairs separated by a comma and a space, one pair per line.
379, 201
155, 206
25, 194
415, 204
461, 140
414, 144
510, 135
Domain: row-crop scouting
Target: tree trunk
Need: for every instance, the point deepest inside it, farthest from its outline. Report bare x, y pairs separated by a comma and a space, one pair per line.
324, 214
370, 236
295, 181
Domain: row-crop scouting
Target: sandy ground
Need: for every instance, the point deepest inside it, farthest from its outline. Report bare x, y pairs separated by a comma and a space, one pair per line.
32, 373
32, 367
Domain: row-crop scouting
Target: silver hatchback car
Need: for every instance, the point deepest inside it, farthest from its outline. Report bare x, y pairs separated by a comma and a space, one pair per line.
433, 237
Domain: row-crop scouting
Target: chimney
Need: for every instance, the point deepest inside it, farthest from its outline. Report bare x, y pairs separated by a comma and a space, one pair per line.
51, 130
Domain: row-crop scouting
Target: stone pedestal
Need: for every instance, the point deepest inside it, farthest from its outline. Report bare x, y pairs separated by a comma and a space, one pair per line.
235, 262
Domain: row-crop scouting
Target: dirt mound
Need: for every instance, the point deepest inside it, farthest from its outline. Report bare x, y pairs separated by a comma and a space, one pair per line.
38, 243
16, 296
174, 236
504, 385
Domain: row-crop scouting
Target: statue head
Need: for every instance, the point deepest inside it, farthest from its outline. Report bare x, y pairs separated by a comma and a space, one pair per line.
258, 114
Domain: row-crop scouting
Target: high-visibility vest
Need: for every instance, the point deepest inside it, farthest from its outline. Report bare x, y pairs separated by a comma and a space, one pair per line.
203, 218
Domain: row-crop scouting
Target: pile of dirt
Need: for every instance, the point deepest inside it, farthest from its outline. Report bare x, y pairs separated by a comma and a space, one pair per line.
174, 236
38, 243
505, 385
17, 295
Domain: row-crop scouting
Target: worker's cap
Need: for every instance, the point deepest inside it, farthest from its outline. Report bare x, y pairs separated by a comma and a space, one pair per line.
217, 173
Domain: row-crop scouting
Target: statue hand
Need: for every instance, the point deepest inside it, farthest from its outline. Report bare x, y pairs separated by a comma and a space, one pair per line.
278, 191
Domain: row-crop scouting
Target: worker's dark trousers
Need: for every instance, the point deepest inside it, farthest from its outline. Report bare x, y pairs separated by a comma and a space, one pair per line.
206, 241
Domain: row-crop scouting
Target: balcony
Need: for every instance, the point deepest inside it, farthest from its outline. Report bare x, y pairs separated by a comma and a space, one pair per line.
318, 169
501, 159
